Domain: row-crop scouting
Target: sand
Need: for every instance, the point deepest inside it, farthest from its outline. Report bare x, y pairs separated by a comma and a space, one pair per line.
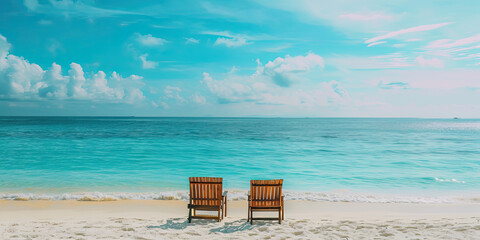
164, 219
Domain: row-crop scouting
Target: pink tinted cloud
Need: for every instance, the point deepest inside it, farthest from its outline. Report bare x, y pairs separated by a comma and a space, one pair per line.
408, 30
376, 43
448, 43
433, 62
376, 62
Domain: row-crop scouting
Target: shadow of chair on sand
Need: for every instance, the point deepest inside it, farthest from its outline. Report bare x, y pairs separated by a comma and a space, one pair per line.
235, 226
181, 223
227, 227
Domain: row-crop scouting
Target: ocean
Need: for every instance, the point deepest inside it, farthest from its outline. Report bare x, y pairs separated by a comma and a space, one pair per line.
325, 159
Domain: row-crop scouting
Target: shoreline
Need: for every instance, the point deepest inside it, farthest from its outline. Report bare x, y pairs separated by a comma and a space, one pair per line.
166, 219
240, 194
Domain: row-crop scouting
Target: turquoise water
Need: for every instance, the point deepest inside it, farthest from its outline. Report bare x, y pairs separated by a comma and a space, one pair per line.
54, 155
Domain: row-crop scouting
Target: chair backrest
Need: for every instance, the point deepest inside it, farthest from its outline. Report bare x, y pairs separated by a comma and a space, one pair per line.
266, 192
206, 191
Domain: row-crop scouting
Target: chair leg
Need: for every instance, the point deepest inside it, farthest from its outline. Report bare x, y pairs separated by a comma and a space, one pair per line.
251, 217
189, 215
280, 216
194, 212
219, 214
225, 206
283, 213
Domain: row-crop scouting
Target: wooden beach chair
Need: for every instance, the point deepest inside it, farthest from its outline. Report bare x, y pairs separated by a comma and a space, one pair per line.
206, 195
265, 196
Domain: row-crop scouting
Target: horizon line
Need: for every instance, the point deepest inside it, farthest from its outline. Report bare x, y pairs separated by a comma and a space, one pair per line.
133, 116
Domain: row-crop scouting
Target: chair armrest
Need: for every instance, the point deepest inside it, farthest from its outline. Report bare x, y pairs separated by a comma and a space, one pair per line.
224, 194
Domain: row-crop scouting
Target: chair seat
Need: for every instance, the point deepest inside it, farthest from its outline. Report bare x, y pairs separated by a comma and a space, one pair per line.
265, 208
204, 207
265, 204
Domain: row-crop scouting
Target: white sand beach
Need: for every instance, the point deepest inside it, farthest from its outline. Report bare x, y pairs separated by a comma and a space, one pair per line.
166, 219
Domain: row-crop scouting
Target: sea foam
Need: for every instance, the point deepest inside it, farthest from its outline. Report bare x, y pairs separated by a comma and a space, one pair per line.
242, 195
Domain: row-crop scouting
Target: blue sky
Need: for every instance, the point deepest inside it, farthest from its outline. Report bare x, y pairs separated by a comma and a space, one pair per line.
297, 58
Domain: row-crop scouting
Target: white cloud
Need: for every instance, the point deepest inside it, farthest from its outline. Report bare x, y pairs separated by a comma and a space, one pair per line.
448, 43
233, 70
20, 80
399, 45
407, 30
173, 93
56, 83
73, 8
134, 95
365, 17
375, 62
413, 40
231, 42
350, 16
433, 62
4, 47
164, 105
376, 43
100, 86
467, 56
283, 71
250, 89
236, 40
229, 90
160, 103
465, 49
77, 80
268, 85
199, 99
392, 85
295, 64
127, 89
18, 77
192, 41
150, 41
228, 39
146, 64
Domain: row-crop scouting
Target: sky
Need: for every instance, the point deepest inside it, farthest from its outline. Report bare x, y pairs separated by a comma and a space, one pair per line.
283, 58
